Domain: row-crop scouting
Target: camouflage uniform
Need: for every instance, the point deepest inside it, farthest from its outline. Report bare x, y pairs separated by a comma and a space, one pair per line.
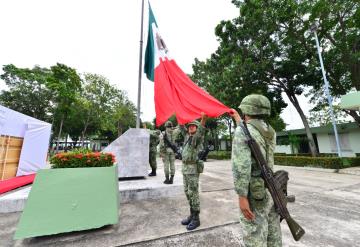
192, 146
154, 141
265, 229
167, 154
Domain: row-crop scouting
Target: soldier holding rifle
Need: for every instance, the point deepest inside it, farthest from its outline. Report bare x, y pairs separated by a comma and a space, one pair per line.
261, 199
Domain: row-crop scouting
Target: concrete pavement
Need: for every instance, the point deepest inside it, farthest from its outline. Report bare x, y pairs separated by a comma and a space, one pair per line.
327, 206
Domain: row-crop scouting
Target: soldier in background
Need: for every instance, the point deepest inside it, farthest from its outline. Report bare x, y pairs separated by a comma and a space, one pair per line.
258, 219
154, 141
193, 144
167, 154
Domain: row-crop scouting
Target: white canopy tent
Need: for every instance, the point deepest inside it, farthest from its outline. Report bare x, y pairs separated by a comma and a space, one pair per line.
36, 136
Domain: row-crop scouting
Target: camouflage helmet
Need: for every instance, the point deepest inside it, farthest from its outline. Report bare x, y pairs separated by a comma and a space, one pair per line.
255, 104
168, 124
195, 122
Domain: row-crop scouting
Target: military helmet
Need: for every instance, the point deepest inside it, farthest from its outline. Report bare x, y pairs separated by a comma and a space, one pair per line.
195, 122
168, 124
255, 104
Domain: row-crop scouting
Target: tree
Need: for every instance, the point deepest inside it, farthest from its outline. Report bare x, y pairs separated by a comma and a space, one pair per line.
264, 49
339, 25
27, 92
320, 115
65, 83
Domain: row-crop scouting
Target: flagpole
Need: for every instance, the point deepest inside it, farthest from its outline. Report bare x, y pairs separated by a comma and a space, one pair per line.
140, 67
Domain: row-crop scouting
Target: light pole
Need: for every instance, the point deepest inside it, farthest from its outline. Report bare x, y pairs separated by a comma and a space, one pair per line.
313, 29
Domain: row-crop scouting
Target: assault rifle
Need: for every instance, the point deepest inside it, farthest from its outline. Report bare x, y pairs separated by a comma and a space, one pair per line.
273, 185
173, 147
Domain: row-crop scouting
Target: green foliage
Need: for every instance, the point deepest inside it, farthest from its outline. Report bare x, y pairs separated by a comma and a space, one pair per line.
219, 155
322, 162
321, 116
82, 107
82, 158
28, 92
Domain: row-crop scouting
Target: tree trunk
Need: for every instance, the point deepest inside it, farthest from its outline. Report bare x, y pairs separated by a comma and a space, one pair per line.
355, 115
59, 135
85, 128
309, 135
66, 147
119, 129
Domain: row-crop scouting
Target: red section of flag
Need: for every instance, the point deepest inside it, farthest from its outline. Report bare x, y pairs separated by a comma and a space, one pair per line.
16, 182
176, 94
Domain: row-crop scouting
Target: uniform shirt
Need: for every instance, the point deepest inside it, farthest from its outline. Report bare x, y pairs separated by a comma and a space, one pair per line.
154, 140
243, 165
192, 146
164, 148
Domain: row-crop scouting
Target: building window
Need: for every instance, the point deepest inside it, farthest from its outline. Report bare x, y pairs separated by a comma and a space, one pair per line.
344, 142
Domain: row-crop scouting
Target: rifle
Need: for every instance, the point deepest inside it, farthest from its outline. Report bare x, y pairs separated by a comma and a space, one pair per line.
173, 147
273, 185
203, 153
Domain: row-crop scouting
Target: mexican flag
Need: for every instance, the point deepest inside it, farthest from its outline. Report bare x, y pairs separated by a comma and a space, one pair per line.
174, 92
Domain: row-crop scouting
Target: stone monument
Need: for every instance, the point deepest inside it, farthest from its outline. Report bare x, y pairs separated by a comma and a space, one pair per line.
131, 150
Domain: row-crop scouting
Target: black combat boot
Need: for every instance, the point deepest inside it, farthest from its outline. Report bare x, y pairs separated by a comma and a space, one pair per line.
167, 181
187, 220
171, 181
152, 173
195, 221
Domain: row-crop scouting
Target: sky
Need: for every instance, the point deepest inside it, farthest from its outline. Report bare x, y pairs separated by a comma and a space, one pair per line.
103, 37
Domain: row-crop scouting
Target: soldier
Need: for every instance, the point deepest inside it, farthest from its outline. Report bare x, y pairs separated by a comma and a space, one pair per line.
193, 144
259, 220
154, 141
167, 154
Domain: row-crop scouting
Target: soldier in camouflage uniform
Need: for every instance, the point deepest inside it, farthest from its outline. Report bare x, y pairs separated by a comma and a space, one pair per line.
193, 144
167, 154
259, 221
154, 141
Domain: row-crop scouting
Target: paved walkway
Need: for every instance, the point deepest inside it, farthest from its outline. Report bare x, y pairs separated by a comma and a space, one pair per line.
327, 206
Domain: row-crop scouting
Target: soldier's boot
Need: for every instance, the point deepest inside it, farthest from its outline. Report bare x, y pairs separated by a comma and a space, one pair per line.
152, 173
195, 221
171, 181
167, 181
187, 220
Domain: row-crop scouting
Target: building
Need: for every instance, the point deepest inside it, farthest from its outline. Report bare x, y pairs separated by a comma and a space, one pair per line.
295, 141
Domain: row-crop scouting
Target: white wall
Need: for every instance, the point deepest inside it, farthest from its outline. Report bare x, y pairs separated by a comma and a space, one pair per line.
283, 149
349, 143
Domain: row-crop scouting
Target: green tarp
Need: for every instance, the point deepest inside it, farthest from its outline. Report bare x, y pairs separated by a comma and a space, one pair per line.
72, 199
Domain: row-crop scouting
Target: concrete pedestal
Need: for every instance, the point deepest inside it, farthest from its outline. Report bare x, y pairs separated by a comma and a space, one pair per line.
131, 150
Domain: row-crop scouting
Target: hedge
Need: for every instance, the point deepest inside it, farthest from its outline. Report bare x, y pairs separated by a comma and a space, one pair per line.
79, 158
308, 154
219, 155
323, 162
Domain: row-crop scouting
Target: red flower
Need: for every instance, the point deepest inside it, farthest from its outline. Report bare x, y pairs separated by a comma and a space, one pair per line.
78, 156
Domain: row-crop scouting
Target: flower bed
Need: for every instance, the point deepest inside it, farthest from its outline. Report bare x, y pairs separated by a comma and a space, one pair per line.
78, 159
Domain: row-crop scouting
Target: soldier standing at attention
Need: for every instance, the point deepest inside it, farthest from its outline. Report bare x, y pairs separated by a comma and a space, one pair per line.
154, 141
167, 154
259, 221
193, 144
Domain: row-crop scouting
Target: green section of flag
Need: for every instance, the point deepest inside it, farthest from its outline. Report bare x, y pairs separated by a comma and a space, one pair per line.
150, 48
70, 199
